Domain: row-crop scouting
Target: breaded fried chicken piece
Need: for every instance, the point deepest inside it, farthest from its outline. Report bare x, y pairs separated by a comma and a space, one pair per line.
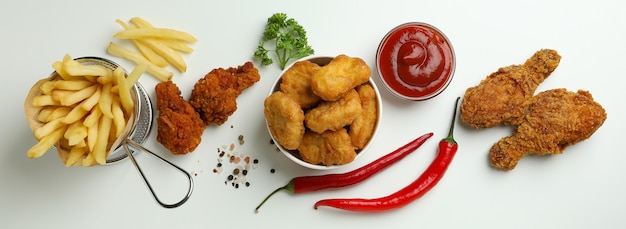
557, 118
179, 127
327, 148
285, 119
215, 95
334, 115
503, 97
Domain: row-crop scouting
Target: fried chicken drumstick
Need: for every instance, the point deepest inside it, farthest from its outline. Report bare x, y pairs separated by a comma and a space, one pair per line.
556, 119
503, 97
179, 127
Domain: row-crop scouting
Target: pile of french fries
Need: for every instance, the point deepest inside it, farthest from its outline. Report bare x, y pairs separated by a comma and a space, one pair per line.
85, 108
157, 47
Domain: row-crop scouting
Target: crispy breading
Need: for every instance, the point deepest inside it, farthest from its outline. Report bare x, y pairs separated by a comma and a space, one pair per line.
334, 115
215, 95
362, 128
328, 148
296, 82
339, 76
503, 97
285, 119
556, 119
179, 127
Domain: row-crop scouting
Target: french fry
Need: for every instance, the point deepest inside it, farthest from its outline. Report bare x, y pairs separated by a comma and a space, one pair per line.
72, 85
89, 160
140, 22
48, 128
75, 68
44, 100
78, 96
178, 45
92, 135
58, 94
147, 52
134, 75
47, 87
90, 103
50, 113
158, 72
119, 122
45, 143
100, 148
105, 100
166, 52
75, 154
161, 33
93, 117
75, 133
77, 113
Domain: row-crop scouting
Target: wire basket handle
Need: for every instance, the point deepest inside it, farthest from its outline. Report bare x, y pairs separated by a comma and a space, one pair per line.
132, 158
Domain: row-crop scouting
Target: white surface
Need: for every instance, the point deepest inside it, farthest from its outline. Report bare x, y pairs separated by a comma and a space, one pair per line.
583, 188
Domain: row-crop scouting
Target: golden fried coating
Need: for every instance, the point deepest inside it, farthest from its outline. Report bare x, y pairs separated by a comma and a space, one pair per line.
504, 96
334, 115
296, 82
362, 128
556, 119
327, 148
179, 127
341, 75
285, 119
215, 95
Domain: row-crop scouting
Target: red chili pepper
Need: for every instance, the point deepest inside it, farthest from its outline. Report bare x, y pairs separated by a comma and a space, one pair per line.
306, 184
430, 177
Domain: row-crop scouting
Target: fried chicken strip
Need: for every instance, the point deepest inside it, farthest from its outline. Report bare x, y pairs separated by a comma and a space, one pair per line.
557, 118
179, 127
215, 95
504, 96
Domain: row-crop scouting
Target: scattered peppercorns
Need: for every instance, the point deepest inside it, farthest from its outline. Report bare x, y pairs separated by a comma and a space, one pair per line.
242, 163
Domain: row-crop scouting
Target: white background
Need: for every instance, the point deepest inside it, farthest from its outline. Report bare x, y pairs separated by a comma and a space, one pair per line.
582, 188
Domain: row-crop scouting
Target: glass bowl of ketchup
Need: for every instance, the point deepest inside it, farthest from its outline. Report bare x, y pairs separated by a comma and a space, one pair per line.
415, 61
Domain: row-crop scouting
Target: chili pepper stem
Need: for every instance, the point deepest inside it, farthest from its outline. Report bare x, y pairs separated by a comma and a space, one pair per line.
288, 187
450, 137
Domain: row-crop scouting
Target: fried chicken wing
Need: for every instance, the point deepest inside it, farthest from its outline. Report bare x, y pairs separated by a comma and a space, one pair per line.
556, 119
179, 127
328, 148
503, 97
296, 82
341, 75
215, 95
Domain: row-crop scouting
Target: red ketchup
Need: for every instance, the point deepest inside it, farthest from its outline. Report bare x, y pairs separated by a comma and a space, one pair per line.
415, 61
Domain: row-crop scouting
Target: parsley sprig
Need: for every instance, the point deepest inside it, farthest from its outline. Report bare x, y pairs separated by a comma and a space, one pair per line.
289, 38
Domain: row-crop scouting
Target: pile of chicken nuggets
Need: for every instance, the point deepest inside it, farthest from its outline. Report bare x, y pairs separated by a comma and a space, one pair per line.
324, 115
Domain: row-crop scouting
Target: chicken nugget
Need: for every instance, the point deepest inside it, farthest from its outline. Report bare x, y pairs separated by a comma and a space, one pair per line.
328, 148
341, 75
334, 115
296, 82
285, 119
362, 129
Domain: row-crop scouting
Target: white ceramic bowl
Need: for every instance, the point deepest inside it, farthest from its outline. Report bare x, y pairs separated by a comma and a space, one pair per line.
292, 154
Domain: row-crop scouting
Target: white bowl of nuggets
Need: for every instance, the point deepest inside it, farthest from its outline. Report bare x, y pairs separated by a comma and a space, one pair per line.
323, 111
